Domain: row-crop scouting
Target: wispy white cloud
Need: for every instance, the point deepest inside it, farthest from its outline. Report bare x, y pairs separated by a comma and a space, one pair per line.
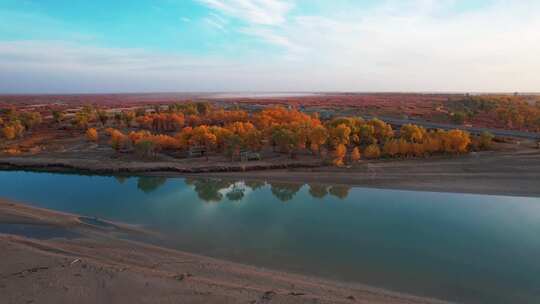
217, 22
265, 12
261, 19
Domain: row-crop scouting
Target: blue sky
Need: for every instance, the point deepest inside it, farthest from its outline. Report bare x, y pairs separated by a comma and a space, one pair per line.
268, 45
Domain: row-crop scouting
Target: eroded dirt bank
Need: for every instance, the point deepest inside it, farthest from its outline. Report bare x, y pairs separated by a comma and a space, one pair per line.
83, 263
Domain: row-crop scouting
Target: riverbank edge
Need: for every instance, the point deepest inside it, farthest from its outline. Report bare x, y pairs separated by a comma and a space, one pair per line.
127, 267
499, 181
73, 165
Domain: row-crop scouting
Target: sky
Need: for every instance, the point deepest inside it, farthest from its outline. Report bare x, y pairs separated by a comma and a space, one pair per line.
81, 46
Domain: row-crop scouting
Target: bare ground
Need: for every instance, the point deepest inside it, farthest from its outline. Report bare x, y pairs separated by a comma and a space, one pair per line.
97, 267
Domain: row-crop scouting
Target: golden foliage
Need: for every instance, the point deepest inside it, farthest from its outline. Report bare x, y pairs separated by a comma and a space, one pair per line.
339, 155
372, 151
355, 155
92, 134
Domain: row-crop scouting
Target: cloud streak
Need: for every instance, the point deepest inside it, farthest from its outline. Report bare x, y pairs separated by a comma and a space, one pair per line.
264, 12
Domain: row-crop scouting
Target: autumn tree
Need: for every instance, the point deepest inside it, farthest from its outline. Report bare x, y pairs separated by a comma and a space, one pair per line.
405, 148
9, 132
201, 136
92, 135
340, 135
412, 133
433, 142
418, 149
355, 155
366, 134
12, 130
118, 139
391, 148
339, 155
372, 151
456, 141
318, 137
381, 130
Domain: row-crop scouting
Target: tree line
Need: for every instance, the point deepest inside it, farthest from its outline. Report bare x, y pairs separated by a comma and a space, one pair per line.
181, 127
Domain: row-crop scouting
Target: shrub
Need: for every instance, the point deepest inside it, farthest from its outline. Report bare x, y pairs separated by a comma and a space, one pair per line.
459, 117
486, 140
8, 132
92, 135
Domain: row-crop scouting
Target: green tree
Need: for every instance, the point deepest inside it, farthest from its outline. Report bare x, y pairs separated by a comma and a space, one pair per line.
486, 140
58, 116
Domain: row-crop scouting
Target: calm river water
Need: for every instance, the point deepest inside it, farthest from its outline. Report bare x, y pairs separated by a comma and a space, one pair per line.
458, 247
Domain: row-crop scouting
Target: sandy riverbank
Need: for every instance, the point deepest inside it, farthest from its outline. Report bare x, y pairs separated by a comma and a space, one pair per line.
74, 262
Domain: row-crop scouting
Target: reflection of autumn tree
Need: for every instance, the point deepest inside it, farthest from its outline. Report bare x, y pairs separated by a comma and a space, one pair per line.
236, 194
318, 191
284, 191
254, 185
208, 189
339, 191
121, 179
150, 184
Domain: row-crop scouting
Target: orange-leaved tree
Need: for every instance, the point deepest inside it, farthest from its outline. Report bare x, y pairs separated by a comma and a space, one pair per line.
456, 141
372, 151
92, 134
339, 155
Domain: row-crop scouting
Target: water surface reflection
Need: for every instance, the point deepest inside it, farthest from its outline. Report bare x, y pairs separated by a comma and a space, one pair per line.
214, 190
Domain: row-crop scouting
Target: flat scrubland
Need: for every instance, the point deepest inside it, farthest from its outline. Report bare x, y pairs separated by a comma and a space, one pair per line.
84, 263
504, 111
